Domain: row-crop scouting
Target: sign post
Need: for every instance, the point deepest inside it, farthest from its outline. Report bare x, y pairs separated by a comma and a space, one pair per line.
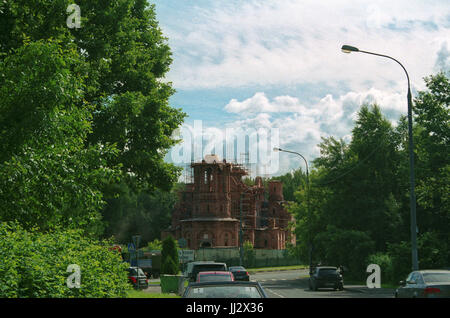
136, 241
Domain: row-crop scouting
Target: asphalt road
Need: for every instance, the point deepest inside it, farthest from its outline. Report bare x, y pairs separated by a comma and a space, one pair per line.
294, 284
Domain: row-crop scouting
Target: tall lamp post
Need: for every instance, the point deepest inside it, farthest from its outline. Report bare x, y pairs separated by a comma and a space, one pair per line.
415, 263
310, 247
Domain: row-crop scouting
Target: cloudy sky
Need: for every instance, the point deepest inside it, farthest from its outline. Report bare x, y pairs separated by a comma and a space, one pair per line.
276, 66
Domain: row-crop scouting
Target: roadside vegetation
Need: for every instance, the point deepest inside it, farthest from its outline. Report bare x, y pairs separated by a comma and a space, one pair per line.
144, 294
359, 194
85, 124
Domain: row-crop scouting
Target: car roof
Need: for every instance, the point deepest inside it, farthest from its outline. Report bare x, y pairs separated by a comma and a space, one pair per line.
434, 271
326, 267
208, 263
230, 283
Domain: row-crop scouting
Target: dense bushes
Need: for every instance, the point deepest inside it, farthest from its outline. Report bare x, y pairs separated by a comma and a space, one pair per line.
395, 264
34, 264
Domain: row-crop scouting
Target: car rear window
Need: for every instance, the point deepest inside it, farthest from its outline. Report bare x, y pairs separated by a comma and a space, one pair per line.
327, 271
214, 277
436, 277
234, 291
209, 268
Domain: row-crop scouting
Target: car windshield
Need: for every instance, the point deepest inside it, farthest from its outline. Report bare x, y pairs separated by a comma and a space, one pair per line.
235, 291
436, 277
133, 272
327, 271
237, 268
214, 277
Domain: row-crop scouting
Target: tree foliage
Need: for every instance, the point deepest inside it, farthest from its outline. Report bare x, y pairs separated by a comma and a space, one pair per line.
360, 190
34, 265
169, 256
81, 109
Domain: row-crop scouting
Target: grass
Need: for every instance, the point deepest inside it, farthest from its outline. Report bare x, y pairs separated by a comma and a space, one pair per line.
279, 268
143, 294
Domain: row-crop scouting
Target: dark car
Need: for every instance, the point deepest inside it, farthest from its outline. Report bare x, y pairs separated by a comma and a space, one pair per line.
239, 273
326, 277
425, 284
196, 267
224, 290
214, 277
137, 278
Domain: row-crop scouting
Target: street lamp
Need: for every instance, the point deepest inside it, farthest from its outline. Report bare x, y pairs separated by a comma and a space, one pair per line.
307, 202
415, 263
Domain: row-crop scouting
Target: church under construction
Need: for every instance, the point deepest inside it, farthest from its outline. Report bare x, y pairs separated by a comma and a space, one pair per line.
208, 212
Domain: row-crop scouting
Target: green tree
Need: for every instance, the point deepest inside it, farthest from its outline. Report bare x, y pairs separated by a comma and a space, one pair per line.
169, 256
81, 108
332, 246
144, 213
432, 141
48, 176
362, 178
249, 254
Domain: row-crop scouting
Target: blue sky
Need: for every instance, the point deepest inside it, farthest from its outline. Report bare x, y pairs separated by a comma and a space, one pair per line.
277, 65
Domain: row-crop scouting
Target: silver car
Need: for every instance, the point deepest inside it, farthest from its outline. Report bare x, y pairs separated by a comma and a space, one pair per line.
425, 284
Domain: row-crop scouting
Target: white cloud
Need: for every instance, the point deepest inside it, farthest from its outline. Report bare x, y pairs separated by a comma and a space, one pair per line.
302, 126
262, 46
260, 103
284, 42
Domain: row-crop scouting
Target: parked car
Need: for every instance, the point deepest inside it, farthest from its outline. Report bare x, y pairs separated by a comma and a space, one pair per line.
137, 278
326, 277
239, 273
196, 267
224, 290
425, 284
214, 277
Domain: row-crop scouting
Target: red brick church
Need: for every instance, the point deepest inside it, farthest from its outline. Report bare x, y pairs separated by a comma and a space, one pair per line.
208, 210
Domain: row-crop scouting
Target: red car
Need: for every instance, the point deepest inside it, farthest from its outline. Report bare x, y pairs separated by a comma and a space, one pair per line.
219, 276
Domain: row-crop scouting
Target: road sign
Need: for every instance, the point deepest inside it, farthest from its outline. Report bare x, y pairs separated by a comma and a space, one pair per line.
136, 240
186, 256
182, 243
131, 247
